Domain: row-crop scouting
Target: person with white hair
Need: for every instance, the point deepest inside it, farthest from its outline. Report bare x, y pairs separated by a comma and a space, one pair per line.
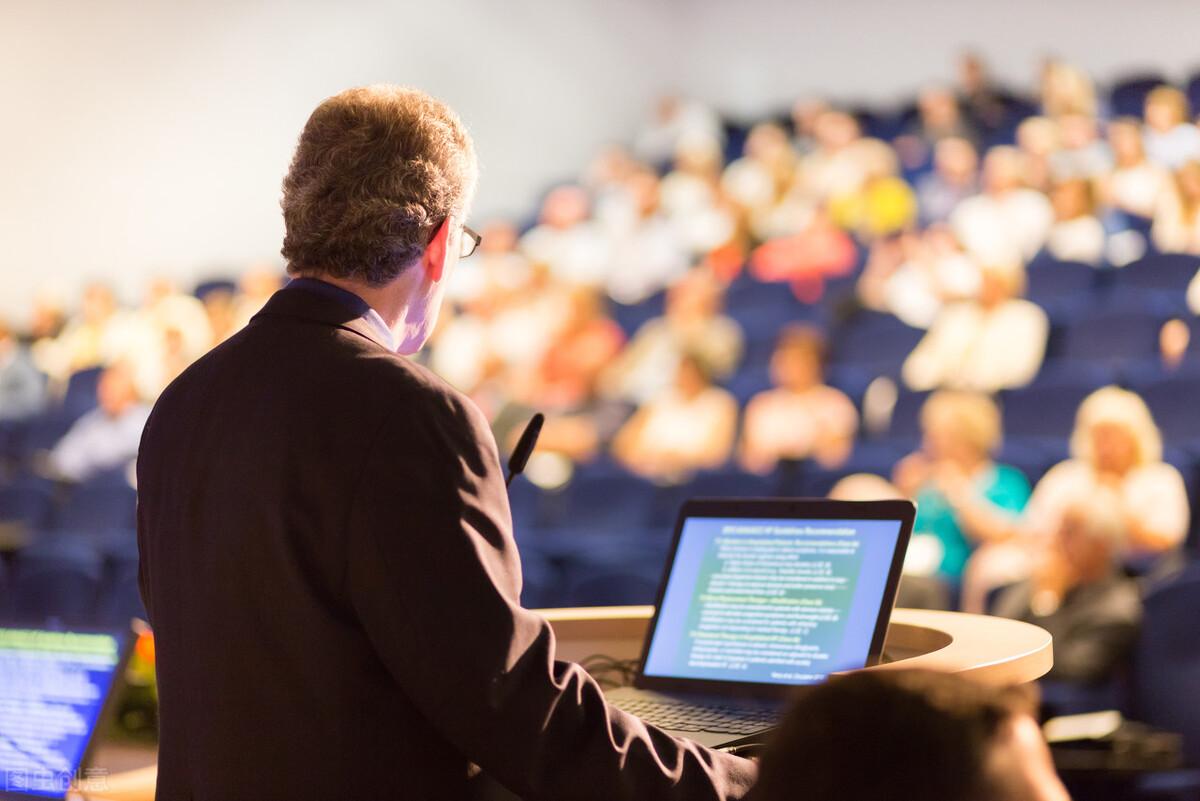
1116, 458
1080, 595
1116, 451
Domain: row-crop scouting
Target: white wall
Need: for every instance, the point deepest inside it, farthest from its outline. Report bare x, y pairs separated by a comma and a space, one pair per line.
146, 137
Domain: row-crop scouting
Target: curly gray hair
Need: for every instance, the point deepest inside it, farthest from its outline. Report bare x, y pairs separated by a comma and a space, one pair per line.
376, 170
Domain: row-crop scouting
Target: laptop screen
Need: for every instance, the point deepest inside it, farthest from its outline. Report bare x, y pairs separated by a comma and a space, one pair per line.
771, 601
53, 685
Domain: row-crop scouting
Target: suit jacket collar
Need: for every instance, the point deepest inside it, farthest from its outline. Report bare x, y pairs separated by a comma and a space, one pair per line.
317, 301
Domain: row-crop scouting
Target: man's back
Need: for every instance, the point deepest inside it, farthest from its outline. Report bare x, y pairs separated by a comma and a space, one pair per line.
248, 471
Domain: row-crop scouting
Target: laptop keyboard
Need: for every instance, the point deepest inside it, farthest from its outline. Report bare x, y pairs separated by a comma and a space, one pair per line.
682, 716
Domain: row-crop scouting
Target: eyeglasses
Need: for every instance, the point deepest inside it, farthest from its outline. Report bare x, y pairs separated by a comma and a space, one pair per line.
470, 241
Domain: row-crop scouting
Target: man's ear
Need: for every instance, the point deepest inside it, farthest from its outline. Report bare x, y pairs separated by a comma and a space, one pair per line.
434, 260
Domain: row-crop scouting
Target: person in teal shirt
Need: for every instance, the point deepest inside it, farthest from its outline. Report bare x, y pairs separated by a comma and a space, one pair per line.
963, 497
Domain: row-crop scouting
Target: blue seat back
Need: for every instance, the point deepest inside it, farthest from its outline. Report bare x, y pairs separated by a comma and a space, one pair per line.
1166, 680
56, 578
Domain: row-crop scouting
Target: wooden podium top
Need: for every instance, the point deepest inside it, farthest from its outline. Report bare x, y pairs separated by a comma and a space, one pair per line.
989, 649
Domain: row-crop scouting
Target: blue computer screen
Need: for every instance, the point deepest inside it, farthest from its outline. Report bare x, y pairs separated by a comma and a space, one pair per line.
771, 601
52, 687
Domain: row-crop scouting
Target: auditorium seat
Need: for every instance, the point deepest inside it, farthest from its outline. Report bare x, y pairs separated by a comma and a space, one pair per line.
633, 316
120, 599
80, 397
1173, 402
1127, 97
57, 577
99, 507
1050, 280
28, 502
1115, 337
875, 342
906, 414
877, 458
1168, 272
1166, 677
1042, 410
728, 483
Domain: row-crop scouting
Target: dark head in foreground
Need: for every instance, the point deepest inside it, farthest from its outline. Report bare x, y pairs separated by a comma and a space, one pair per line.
909, 735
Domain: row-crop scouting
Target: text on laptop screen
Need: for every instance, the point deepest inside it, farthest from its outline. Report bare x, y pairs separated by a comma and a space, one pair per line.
52, 687
771, 601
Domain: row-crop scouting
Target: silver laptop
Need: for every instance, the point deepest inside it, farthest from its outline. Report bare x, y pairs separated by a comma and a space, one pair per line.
759, 598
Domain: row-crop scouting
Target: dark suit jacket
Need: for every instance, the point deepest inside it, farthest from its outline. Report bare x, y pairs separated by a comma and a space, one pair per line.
328, 564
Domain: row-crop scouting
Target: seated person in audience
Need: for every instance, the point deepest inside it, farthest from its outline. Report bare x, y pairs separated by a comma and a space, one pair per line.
1009, 221
1066, 89
982, 100
1080, 595
587, 342
883, 203
757, 182
909, 735
22, 386
166, 334
832, 167
1176, 226
819, 250
802, 417
1077, 234
1136, 184
963, 497
106, 437
692, 322
1171, 139
647, 251
690, 197
938, 117
566, 241
1116, 451
691, 426
88, 339
955, 177
914, 275
1116, 454
1082, 153
675, 118
1038, 140
995, 343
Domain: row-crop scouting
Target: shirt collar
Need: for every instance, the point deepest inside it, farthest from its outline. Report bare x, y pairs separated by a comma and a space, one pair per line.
379, 329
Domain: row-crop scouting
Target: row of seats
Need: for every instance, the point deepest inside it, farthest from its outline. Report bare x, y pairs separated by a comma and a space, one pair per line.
83, 579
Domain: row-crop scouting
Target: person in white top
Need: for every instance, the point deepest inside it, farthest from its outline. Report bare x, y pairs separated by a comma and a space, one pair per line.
1116, 454
1117, 449
1136, 183
801, 417
566, 241
995, 343
1009, 222
1177, 219
1077, 235
1170, 137
689, 427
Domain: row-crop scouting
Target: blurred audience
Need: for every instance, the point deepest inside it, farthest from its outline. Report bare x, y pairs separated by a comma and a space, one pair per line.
801, 417
688, 427
963, 497
22, 386
1009, 221
692, 322
1171, 139
994, 343
1077, 234
1080, 595
106, 437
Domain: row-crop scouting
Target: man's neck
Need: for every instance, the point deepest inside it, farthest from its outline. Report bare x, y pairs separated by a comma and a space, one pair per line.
392, 302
